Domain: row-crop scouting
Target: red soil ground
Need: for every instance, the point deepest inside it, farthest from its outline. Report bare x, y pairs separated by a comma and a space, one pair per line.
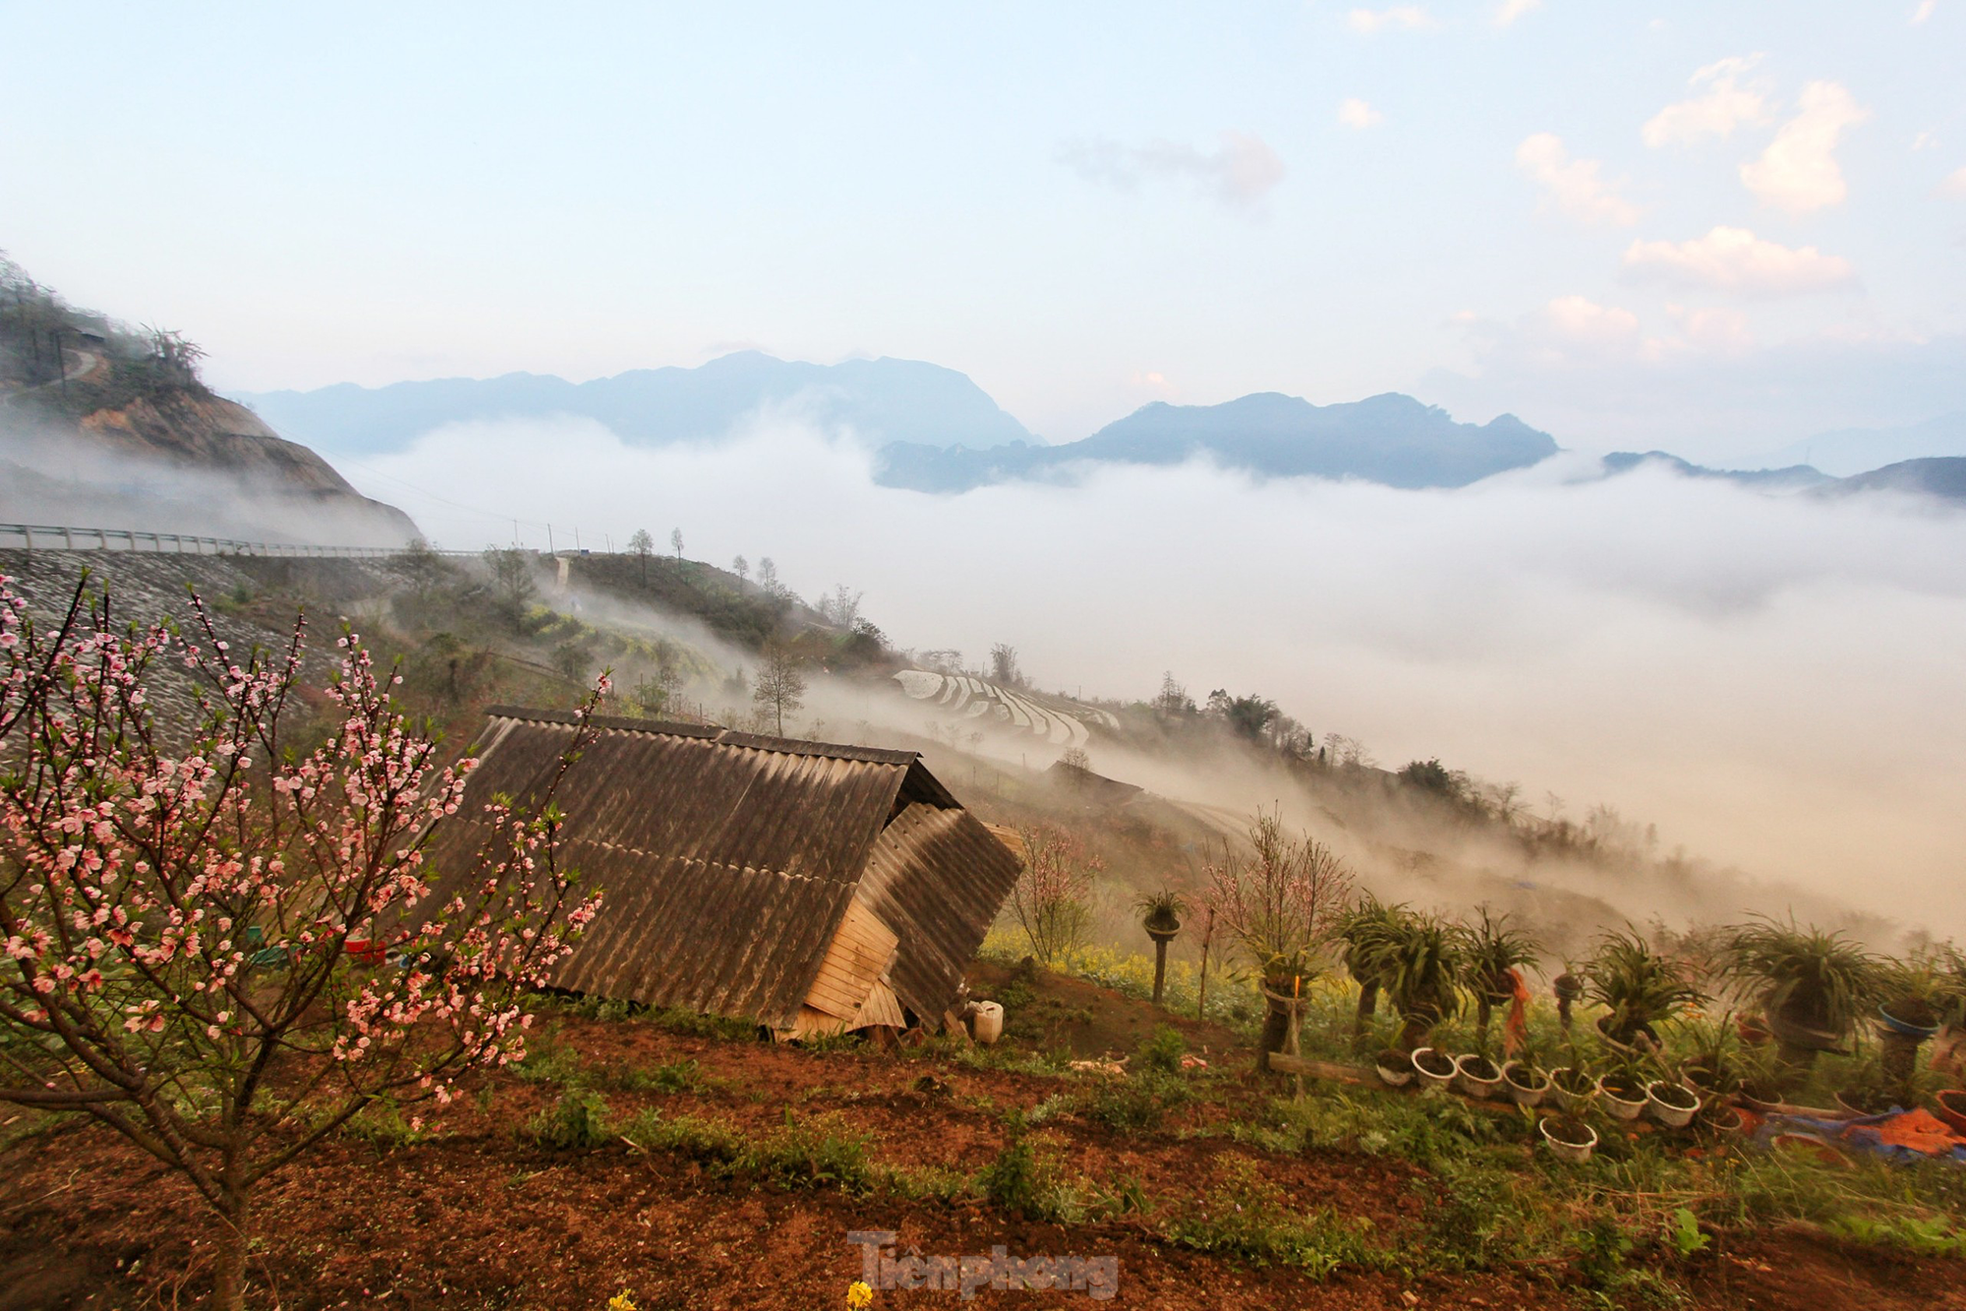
477, 1217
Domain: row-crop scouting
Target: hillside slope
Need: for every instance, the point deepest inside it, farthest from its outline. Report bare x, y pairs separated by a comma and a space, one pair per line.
104, 426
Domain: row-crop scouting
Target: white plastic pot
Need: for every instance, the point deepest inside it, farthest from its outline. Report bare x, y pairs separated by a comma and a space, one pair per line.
1673, 1117
1576, 1153
1465, 1079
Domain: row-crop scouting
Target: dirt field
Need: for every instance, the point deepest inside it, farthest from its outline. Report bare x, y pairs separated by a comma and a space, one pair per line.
476, 1216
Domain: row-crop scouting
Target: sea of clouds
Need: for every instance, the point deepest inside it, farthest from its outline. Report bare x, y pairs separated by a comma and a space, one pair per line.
1774, 681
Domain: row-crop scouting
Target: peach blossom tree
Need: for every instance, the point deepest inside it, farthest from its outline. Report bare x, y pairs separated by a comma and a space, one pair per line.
223, 947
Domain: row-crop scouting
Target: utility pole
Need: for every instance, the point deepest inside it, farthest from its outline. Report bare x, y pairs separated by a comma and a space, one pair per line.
549, 540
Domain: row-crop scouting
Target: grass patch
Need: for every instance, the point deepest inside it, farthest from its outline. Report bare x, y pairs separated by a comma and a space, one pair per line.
1250, 1218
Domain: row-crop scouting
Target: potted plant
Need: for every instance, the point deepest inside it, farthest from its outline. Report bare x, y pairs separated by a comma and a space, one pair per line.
1572, 1087
1950, 1106
1815, 985
1525, 1083
1568, 1138
1871, 1090
1722, 1120
1395, 1067
1921, 993
1422, 975
1437, 1069
1621, 1089
1477, 1076
1712, 1063
1495, 955
1160, 915
1640, 987
1365, 932
1671, 1104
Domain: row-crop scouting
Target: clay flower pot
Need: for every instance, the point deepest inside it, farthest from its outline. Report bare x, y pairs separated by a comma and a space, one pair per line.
1950, 1106
1568, 1139
1525, 1084
1395, 1068
1670, 1104
1436, 1068
1620, 1101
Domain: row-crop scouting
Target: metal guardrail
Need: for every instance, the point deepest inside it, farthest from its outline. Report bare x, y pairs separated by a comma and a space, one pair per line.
55, 537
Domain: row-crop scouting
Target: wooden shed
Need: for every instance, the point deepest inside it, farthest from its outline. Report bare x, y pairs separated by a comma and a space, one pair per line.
812, 887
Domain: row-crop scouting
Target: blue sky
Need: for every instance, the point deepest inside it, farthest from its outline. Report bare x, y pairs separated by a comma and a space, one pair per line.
1492, 205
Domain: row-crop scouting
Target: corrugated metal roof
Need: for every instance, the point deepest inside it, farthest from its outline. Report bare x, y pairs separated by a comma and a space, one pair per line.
728, 859
937, 878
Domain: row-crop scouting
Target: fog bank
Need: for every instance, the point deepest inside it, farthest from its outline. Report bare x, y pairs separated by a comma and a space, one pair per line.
1773, 681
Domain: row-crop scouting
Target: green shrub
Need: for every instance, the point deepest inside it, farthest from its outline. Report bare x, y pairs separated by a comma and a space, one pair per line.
814, 1153
577, 1120
550, 1062
1123, 1105
1020, 1180
1163, 1050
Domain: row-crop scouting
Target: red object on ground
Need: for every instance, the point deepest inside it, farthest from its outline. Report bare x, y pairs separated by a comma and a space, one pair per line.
1921, 1131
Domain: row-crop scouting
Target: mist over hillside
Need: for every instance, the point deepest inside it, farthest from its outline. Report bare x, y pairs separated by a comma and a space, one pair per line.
103, 425
1686, 650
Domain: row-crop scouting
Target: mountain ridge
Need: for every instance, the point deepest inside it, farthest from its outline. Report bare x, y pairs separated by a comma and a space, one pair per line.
1390, 438
882, 400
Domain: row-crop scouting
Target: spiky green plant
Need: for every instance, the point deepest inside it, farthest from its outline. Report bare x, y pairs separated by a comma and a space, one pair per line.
1493, 950
1423, 973
1640, 987
1161, 912
1819, 979
1367, 931
1925, 987
1160, 915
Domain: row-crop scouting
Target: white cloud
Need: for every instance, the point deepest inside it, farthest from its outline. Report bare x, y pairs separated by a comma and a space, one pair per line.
1798, 172
1241, 171
1715, 328
1955, 185
1411, 18
1582, 320
1734, 259
1355, 113
1716, 112
1573, 184
1923, 12
1514, 9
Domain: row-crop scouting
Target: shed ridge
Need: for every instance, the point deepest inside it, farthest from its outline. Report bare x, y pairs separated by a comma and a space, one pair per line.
710, 732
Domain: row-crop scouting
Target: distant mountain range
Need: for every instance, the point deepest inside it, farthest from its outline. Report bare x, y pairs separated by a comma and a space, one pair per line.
881, 401
1855, 450
933, 430
1390, 439
1942, 476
